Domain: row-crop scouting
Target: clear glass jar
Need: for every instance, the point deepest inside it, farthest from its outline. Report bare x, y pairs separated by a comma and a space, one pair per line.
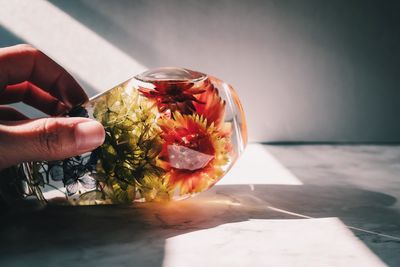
170, 133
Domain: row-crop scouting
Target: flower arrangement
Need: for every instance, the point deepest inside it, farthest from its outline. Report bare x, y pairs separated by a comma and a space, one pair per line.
165, 139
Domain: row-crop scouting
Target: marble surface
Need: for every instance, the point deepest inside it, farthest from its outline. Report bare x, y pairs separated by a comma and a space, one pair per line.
279, 206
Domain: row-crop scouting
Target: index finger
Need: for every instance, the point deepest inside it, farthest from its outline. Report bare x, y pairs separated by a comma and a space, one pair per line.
25, 63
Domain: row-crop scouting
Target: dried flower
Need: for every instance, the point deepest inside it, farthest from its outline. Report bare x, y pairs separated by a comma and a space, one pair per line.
210, 105
132, 143
173, 96
193, 152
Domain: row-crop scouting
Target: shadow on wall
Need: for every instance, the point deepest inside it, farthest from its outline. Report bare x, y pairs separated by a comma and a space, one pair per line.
125, 235
7, 38
315, 71
116, 23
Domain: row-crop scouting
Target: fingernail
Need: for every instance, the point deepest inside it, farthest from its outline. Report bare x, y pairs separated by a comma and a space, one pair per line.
89, 135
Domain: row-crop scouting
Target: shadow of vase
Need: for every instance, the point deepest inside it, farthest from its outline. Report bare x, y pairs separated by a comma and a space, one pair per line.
138, 233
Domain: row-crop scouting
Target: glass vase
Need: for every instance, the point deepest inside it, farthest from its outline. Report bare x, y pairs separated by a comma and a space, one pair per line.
170, 133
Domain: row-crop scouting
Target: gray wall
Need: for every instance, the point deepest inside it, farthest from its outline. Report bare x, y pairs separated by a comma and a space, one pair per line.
305, 70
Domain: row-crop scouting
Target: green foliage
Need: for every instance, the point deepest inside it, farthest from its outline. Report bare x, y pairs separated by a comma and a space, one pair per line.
129, 154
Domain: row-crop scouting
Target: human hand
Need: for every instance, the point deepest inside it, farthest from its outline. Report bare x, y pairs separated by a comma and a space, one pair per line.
27, 75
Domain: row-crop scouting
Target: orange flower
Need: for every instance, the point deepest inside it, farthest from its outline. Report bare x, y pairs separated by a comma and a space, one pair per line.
193, 154
210, 105
173, 95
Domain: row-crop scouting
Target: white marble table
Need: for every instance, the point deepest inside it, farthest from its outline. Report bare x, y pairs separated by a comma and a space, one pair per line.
280, 206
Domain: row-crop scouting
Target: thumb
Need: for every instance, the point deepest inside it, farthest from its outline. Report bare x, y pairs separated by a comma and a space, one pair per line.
48, 139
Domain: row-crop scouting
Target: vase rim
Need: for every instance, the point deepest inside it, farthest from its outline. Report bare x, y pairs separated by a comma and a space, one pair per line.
170, 74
